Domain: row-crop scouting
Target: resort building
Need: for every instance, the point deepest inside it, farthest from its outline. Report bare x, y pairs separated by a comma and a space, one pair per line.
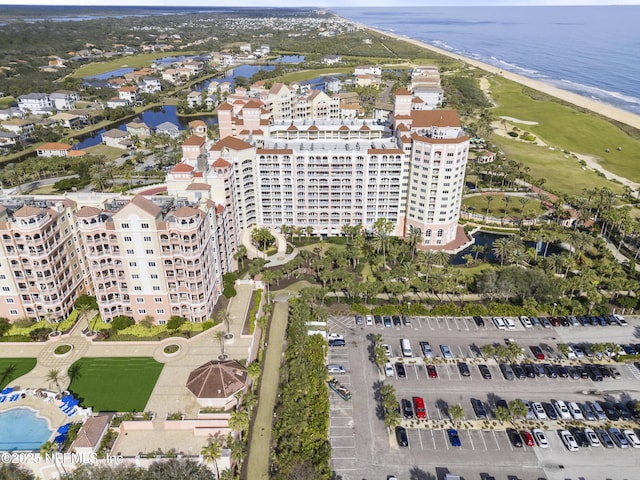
42, 269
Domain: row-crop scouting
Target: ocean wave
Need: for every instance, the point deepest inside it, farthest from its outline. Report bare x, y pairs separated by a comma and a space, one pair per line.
597, 92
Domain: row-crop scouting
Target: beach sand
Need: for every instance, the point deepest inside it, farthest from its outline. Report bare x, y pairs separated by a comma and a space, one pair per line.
603, 109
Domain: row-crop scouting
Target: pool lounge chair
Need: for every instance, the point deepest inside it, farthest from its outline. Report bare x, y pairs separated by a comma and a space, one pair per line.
72, 411
14, 397
3, 398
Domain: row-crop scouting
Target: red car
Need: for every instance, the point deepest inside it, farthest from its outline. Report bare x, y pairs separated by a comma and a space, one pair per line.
431, 370
421, 411
527, 438
554, 321
537, 352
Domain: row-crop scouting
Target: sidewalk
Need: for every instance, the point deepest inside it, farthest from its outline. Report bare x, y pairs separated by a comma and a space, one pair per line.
260, 436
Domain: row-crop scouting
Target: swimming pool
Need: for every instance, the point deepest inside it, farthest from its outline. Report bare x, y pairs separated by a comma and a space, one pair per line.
22, 429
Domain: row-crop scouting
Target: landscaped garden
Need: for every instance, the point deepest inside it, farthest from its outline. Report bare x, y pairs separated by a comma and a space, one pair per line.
114, 384
12, 368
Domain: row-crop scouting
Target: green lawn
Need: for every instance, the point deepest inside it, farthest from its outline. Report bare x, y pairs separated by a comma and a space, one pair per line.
129, 61
498, 207
12, 368
568, 128
114, 384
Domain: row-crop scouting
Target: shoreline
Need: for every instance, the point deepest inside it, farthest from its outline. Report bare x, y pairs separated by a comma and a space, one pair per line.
595, 106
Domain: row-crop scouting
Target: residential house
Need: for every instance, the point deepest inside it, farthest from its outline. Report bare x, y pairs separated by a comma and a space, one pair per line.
333, 84
117, 102
12, 112
54, 149
8, 140
168, 128
150, 85
129, 93
194, 99
64, 99
35, 103
373, 70
138, 129
22, 127
117, 138
69, 120
198, 127
331, 59
367, 81
171, 75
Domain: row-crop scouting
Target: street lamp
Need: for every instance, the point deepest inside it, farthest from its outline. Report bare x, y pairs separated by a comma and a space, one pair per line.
554, 309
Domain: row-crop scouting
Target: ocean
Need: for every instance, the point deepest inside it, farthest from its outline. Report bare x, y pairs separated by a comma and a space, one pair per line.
593, 51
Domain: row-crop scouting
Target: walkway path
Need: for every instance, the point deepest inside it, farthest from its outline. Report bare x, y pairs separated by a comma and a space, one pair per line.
260, 435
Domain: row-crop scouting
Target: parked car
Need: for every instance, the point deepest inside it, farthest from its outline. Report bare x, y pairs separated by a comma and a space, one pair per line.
618, 438
402, 437
463, 368
479, 321
337, 343
387, 350
369, 320
454, 438
484, 371
427, 351
545, 322
518, 371
407, 408
562, 409
507, 371
527, 438
335, 368
478, 408
587, 411
598, 410
406, 319
538, 409
388, 369
610, 411
575, 411
529, 370
634, 408
421, 409
499, 323
432, 371
593, 439
396, 320
605, 438
550, 410
526, 322
632, 438
446, 351
569, 441
540, 437
402, 373
550, 370
511, 325
359, 320
377, 319
624, 412
580, 437
387, 322
514, 437
537, 352
335, 336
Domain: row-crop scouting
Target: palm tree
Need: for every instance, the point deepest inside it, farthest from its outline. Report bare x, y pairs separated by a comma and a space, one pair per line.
82, 310
53, 376
240, 255
219, 335
489, 198
456, 412
518, 408
212, 452
413, 238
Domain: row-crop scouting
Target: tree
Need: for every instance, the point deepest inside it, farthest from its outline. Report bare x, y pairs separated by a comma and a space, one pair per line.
518, 408
83, 309
456, 412
175, 322
502, 414
121, 322
240, 255
54, 376
564, 349
379, 352
488, 350
212, 452
219, 335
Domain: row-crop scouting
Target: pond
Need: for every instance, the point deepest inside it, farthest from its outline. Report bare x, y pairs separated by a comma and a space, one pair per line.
289, 59
488, 238
151, 118
120, 72
230, 75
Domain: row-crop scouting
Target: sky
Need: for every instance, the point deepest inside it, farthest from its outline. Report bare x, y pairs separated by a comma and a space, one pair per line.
318, 3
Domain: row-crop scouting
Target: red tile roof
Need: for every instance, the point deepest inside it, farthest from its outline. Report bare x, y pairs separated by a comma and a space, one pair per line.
182, 168
220, 163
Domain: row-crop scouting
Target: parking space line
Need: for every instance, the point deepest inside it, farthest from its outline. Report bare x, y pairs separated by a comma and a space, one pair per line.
470, 440
495, 437
483, 440
446, 440
420, 437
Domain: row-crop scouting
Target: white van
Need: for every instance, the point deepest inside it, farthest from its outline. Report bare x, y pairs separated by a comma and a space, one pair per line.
406, 348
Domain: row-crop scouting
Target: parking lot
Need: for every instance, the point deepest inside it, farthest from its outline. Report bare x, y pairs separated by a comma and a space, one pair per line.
363, 448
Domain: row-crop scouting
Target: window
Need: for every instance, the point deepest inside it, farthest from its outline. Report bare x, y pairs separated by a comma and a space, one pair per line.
159, 311
149, 252
158, 299
137, 288
151, 264
5, 289
10, 300
124, 225
133, 264
144, 225
154, 276
127, 238
13, 312
129, 251
139, 300
3, 277
142, 311
135, 276
156, 288
147, 239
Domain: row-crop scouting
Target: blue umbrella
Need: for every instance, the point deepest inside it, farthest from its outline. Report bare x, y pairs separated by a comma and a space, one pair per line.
74, 402
64, 428
60, 438
67, 398
7, 390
